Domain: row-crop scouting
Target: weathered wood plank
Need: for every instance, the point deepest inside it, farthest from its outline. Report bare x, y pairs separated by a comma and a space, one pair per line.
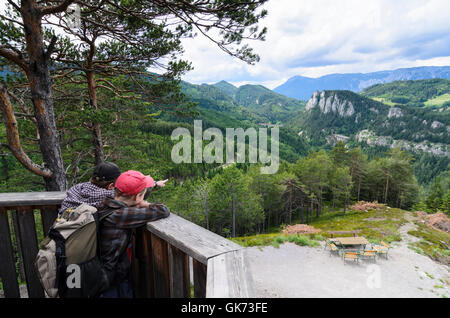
160, 260
18, 244
48, 214
27, 233
229, 276
191, 238
142, 264
199, 279
179, 273
15, 199
7, 267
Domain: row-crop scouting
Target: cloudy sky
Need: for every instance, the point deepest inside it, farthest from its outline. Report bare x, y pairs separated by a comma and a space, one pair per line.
318, 37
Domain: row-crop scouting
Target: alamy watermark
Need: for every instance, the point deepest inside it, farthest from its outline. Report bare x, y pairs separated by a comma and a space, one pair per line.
374, 279
213, 152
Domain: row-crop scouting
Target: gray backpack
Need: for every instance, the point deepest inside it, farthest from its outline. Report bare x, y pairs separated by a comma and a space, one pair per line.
68, 262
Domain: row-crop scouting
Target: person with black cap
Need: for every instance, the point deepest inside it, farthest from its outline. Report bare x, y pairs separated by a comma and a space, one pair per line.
93, 192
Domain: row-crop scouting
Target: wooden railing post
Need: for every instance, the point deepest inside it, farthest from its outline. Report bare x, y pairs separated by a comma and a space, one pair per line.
142, 265
27, 233
160, 267
199, 279
7, 264
179, 273
48, 216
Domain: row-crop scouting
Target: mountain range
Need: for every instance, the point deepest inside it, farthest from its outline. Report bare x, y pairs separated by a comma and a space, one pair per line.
248, 103
302, 88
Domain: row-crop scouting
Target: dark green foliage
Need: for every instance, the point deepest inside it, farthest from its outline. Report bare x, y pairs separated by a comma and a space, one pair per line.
411, 93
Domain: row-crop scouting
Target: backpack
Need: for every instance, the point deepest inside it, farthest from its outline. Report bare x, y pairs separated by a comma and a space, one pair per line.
68, 262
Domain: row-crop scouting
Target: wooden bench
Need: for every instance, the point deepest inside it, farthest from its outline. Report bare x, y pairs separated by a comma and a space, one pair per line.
369, 254
333, 248
382, 249
351, 256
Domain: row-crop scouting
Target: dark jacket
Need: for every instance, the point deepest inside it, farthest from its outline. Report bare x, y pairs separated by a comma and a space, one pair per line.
115, 235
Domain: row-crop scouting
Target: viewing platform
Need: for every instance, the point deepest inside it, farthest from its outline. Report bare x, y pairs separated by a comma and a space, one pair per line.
165, 252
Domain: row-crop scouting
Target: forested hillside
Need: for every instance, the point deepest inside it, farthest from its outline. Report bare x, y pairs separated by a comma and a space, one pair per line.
251, 103
423, 93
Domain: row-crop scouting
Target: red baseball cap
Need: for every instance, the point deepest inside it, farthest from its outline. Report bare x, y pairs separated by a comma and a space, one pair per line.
132, 182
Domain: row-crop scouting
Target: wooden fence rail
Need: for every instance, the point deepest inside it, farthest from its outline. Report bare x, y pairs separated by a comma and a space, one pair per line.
163, 252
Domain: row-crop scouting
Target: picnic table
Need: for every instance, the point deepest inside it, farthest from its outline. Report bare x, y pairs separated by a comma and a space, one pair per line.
351, 242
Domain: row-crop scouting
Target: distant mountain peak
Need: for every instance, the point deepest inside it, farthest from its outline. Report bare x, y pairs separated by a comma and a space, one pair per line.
302, 88
228, 88
222, 82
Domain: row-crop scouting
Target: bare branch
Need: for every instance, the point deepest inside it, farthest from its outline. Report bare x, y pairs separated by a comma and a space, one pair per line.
12, 135
58, 8
14, 5
51, 47
15, 57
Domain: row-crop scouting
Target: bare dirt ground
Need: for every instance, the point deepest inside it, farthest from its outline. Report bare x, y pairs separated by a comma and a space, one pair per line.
294, 271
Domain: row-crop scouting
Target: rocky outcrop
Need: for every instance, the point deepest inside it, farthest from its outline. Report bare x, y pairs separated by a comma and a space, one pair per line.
371, 139
436, 124
330, 104
333, 139
395, 112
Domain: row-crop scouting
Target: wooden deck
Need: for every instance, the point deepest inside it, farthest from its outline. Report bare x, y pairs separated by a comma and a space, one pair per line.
162, 253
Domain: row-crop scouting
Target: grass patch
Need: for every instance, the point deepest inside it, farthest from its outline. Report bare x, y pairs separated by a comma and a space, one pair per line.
300, 240
415, 249
383, 100
429, 275
374, 231
432, 243
438, 101
275, 239
256, 240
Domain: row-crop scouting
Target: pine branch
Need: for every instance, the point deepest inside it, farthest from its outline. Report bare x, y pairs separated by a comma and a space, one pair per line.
12, 135
58, 8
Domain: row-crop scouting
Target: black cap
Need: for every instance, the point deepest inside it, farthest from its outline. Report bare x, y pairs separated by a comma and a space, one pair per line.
106, 171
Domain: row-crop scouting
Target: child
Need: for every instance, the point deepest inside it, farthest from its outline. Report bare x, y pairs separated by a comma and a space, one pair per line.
93, 192
130, 211
99, 187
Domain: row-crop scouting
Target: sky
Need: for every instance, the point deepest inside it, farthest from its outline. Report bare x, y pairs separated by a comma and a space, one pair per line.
318, 37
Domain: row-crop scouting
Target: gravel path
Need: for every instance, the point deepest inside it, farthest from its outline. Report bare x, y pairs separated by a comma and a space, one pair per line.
297, 271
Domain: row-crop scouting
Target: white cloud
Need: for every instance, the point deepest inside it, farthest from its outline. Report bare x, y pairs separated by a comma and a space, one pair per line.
318, 37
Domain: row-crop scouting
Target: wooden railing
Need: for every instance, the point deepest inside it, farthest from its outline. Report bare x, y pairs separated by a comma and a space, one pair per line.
171, 256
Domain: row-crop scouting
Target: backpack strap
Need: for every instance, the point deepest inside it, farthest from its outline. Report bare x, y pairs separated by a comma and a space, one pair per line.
60, 255
98, 217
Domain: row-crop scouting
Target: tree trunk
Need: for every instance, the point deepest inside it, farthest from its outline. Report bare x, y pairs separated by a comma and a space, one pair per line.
359, 186
387, 187
233, 212
207, 214
319, 206
301, 210
96, 131
290, 205
41, 94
